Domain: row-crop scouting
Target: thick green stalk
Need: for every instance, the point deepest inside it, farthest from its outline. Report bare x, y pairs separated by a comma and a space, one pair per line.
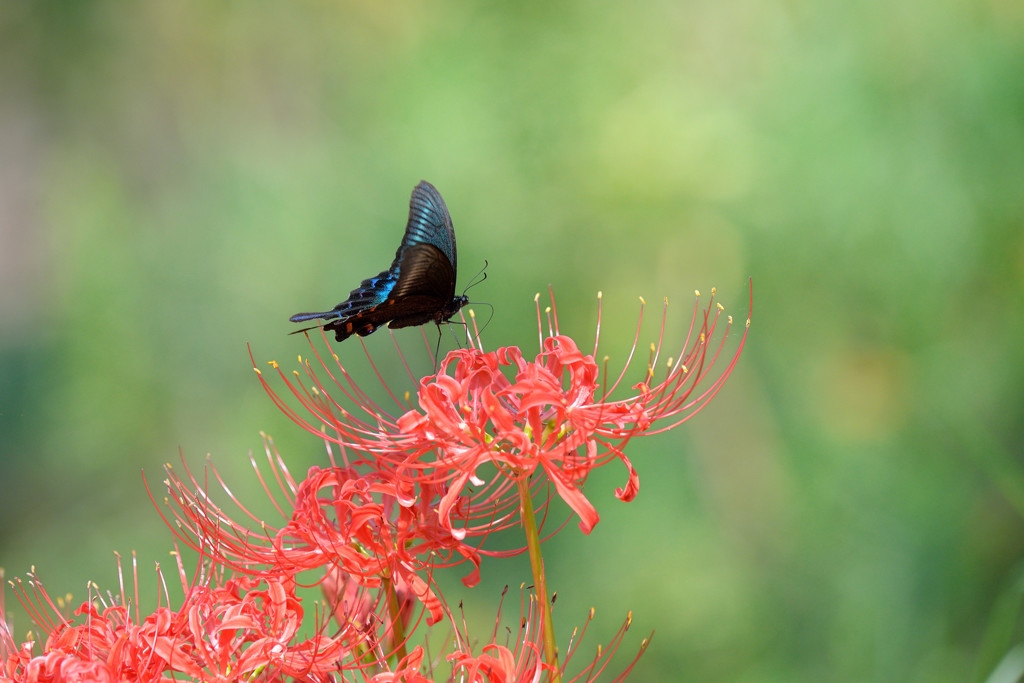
539, 581
395, 612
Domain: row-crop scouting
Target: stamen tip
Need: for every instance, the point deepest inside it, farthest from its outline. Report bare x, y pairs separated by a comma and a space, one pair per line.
642, 300
720, 306
536, 297
713, 290
600, 294
696, 292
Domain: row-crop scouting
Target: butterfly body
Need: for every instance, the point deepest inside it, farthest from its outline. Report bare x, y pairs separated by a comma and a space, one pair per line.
418, 288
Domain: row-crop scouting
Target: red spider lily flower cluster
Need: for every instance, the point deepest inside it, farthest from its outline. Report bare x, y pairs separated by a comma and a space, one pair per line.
517, 416
521, 658
491, 440
226, 629
245, 629
339, 520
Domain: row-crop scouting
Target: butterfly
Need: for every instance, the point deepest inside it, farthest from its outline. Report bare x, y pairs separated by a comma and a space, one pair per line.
419, 287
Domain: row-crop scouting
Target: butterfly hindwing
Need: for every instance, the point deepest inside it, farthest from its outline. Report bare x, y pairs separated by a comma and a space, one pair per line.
417, 288
425, 286
371, 292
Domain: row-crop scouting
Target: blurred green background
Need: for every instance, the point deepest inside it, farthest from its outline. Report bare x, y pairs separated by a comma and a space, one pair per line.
176, 178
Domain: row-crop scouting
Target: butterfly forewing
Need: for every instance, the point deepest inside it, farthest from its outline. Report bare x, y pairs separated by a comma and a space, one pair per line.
429, 223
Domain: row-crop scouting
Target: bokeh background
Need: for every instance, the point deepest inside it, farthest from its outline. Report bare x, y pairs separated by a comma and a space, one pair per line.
176, 178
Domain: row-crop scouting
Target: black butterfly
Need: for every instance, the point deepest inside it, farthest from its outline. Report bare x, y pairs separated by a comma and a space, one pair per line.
417, 288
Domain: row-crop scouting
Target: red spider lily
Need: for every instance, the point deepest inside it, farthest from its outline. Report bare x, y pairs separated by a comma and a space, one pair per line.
368, 529
467, 462
243, 629
515, 659
357, 527
499, 410
106, 644
521, 658
229, 629
546, 418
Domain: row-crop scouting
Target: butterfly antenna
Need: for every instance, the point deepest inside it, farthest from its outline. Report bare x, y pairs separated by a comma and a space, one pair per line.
480, 276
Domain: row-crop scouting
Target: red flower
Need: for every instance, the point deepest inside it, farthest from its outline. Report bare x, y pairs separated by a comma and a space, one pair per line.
519, 658
512, 416
230, 629
367, 528
545, 418
493, 432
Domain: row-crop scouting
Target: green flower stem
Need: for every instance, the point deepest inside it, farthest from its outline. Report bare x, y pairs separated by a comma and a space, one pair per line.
539, 581
397, 628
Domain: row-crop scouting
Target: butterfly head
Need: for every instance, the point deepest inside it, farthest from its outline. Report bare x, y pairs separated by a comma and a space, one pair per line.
454, 306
